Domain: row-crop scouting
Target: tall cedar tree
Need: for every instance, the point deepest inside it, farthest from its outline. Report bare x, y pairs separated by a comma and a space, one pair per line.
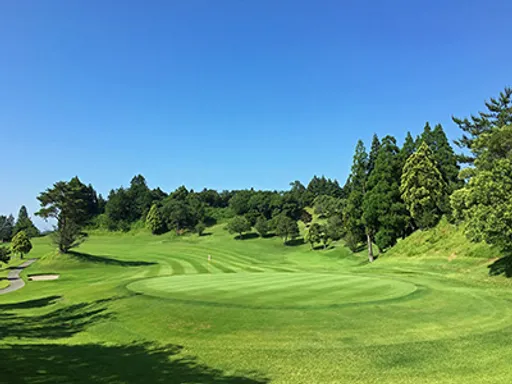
384, 212
67, 203
154, 221
485, 202
354, 226
423, 188
24, 223
498, 114
374, 150
21, 244
407, 149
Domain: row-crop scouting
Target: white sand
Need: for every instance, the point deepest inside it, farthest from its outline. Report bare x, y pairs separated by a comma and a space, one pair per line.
43, 277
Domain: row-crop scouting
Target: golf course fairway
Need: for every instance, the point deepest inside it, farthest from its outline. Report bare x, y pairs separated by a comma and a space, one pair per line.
139, 308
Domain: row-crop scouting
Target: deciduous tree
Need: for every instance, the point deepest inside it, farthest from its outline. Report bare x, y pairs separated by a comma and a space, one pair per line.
239, 224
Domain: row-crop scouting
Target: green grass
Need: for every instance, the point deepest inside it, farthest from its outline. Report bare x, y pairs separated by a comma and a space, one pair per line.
136, 308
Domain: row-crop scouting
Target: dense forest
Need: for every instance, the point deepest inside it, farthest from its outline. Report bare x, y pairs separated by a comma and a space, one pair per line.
391, 192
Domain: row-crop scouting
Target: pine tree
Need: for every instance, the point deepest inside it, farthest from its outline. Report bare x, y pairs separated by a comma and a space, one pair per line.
6, 228
384, 213
154, 221
24, 223
423, 188
352, 215
21, 244
498, 114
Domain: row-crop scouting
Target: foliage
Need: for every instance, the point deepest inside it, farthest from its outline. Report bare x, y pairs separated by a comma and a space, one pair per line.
21, 244
262, 226
6, 227
286, 227
324, 186
498, 114
384, 213
239, 224
154, 221
485, 202
314, 234
68, 203
200, 228
24, 223
374, 151
353, 214
5, 254
423, 188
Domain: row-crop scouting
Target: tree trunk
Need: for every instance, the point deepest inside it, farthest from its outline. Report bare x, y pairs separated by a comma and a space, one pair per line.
370, 248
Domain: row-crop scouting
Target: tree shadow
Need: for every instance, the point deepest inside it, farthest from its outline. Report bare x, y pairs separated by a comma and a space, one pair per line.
29, 304
59, 323
295, 242
205, 234
501, 266
247, 236
108, 260
93, 363
269, 236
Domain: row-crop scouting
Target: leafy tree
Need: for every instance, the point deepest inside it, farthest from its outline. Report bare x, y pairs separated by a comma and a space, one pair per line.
141, 196
334, 227
179, 194
154, 221
300, 193
120, 208
324, 186
66, 203
200, 228
423, 188
314, 234
6, 227
485, 202
5, 255
21, 244
384, 213
262, 226
239, 224
306, 217
498, 114
355, 228
24, 223
325, 205
286, 228
239, 203
178, 215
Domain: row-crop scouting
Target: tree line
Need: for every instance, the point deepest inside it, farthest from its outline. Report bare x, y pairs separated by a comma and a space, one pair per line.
391, 192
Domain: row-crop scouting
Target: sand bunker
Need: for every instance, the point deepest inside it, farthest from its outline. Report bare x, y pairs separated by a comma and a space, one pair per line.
43, 277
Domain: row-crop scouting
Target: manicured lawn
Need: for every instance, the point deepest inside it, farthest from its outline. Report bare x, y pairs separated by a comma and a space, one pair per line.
137, 308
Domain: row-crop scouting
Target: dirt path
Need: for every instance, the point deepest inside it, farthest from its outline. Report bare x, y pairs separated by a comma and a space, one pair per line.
14, 278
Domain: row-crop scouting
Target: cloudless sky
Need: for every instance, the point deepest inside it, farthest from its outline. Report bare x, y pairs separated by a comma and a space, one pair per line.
231, 94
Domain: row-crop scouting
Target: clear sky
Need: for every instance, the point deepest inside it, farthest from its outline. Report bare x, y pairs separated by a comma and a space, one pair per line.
231, 94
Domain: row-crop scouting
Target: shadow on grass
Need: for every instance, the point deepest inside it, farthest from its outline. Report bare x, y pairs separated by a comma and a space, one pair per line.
205, 234
295, 242
247, 236
59, 323
501, 266
29, 304
108, 260
93, 363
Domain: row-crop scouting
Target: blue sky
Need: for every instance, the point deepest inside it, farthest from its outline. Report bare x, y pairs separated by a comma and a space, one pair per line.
231, 94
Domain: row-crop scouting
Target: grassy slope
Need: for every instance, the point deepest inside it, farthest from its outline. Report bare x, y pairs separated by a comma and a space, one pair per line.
259, 312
